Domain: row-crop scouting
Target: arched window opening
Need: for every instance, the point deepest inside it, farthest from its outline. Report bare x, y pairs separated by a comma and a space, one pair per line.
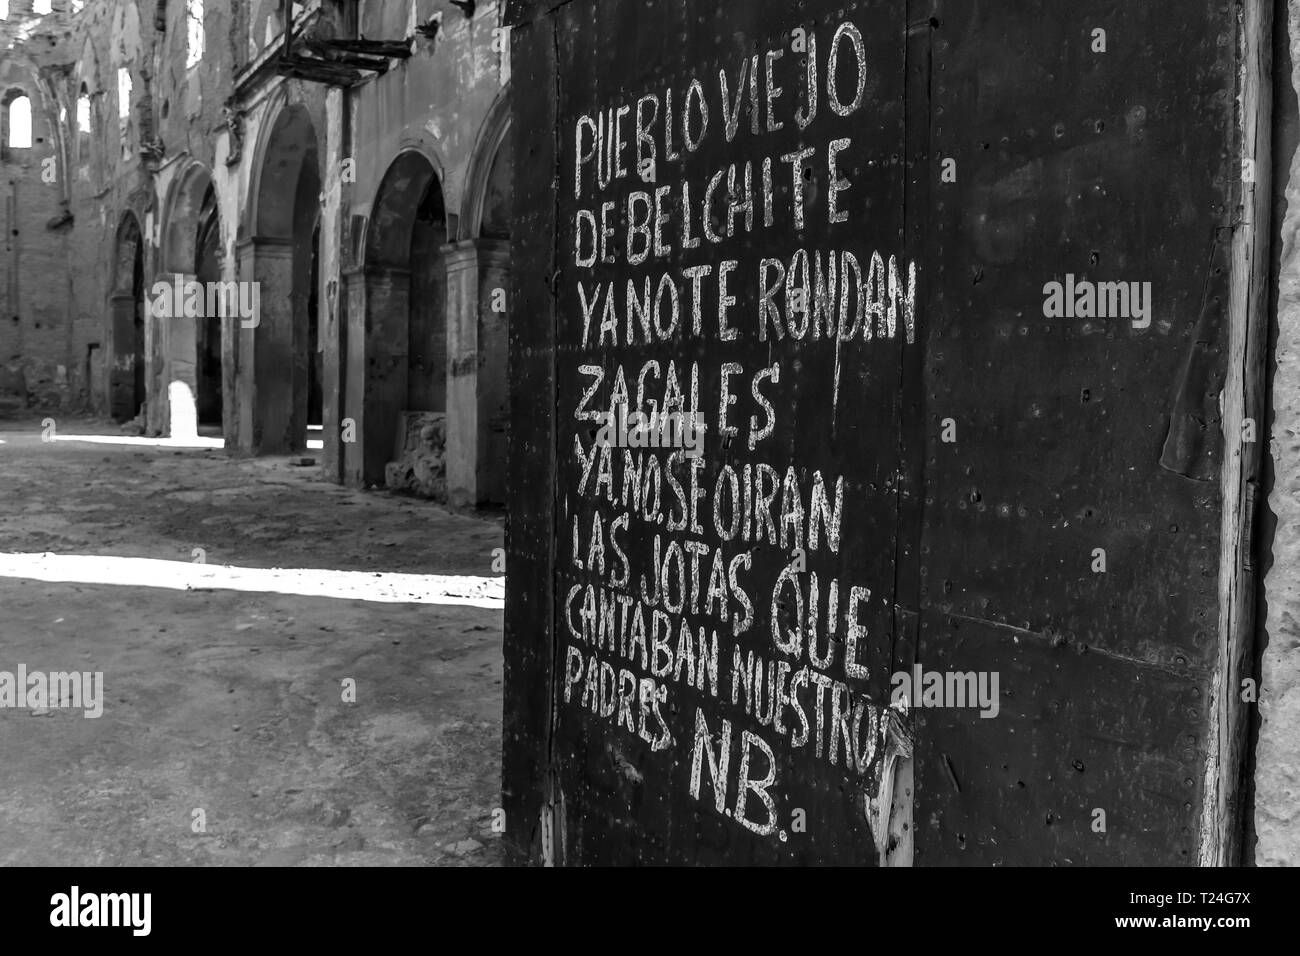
20, 123
83, 111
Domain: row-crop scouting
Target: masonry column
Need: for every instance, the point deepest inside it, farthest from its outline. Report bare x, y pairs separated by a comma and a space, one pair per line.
387, 343
157, 347
463, 288
354, 376
331, 304
232, 333
265, 389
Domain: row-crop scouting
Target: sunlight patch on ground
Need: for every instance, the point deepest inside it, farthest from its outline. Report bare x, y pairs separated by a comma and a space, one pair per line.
382, 587
196, 442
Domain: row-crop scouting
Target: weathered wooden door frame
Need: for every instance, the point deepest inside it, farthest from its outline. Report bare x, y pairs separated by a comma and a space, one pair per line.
1243, 401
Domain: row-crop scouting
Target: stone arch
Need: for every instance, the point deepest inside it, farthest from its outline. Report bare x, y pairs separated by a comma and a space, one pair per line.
416, 139
288, 147
488, 147
184, 202
191, 249
479, 281
23, 105
278, 351
405, 330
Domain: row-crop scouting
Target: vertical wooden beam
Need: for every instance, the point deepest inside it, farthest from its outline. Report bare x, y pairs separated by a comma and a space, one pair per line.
1242, 400
920, 20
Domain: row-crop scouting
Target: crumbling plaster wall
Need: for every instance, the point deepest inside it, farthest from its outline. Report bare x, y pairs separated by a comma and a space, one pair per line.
176, 116
34, 284
436, 103
95, 182
38, 328
103, 185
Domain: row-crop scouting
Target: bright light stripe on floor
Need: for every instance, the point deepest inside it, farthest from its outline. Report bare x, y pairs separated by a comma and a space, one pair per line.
196, 442
381, 587
313, 444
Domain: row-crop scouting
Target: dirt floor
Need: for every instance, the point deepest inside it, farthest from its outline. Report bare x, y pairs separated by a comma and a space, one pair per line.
231, 703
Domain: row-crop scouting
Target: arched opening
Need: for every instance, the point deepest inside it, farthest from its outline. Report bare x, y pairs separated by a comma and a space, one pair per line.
406, 331
207, 267
16, 120
478, 267
127, 332
20, 123
84, 127
192, 344
279, 347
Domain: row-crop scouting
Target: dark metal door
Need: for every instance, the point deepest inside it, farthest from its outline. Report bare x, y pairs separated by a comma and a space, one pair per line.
918, 458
